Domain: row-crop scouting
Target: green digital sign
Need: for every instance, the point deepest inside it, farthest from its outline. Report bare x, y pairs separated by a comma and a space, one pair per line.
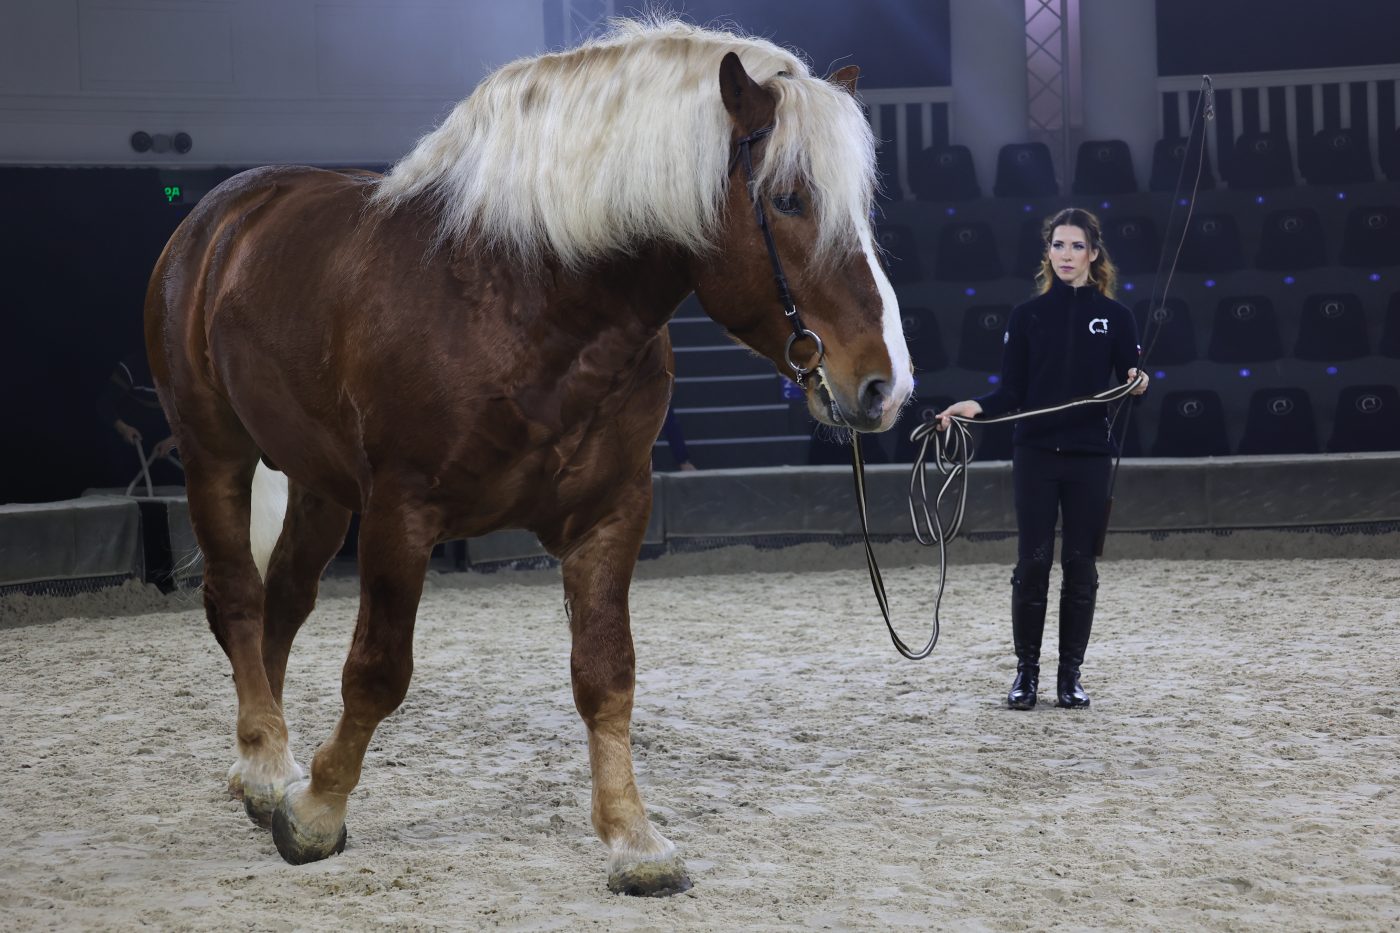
174, 194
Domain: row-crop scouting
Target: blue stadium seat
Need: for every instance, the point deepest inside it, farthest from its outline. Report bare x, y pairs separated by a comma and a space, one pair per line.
1260, 160
1030, 248
1167, 334
983, 328
1168, 156
1390, 154
1192, 424
925, 340
901, 253
1245, 331
1368, 418
1333, 328
1372, 237
1133, 244
887, 164
944, 174
1104, 166
1280, 421
1291, 241
967, 252
1025, 170
1212, 245
1390, 332
1336, 157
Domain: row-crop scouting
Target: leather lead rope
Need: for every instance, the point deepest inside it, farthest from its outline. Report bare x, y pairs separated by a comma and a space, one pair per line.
1204, 112
952, 454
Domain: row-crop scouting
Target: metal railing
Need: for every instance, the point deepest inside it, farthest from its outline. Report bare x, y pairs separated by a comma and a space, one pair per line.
1302, 89
896, 133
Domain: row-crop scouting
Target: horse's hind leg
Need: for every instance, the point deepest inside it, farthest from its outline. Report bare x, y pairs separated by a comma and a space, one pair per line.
395, 543
219, 462
598, 569
312, 533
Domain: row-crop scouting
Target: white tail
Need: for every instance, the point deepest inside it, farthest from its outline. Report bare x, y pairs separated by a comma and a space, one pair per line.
268, 512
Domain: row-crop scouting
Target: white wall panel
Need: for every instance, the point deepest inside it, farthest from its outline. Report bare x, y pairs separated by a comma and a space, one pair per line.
252, 81
155, 46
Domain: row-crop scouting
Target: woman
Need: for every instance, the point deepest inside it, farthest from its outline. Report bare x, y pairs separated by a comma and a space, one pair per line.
1062, 344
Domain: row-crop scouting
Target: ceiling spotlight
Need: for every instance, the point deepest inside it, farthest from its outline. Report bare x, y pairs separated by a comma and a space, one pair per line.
141, 141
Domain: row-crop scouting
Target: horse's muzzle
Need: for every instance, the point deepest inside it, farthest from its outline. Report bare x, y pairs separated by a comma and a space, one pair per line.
873, 407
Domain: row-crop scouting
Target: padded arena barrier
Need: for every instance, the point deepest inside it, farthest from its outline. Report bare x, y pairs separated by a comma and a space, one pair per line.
72, 546
1163, 508
1334, 495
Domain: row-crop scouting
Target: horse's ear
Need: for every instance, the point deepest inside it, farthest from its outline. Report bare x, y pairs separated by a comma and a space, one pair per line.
846, 78
749, 103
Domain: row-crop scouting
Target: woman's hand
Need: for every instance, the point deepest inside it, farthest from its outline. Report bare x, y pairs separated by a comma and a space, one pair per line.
966, 409
1133, 374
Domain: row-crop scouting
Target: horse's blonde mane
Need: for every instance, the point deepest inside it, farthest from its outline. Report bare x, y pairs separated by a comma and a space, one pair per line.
624, 140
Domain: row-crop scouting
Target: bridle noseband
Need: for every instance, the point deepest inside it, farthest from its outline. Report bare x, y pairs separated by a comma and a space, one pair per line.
744, 153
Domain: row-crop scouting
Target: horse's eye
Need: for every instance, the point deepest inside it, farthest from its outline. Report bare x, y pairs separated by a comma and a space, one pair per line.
789, 204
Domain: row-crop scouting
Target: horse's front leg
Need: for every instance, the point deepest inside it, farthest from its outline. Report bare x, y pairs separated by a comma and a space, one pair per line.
597, 575
396, 540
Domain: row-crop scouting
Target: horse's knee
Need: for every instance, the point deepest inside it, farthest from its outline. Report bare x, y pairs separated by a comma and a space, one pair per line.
603, 680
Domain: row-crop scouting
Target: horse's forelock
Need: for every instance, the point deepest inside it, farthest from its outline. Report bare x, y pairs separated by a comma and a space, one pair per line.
587, 152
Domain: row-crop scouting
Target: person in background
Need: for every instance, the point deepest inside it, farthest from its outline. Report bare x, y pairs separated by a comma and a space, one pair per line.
128, 406
675, 441
1065, 343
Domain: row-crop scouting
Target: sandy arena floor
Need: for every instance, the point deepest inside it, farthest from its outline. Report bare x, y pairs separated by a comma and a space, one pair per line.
1238, 769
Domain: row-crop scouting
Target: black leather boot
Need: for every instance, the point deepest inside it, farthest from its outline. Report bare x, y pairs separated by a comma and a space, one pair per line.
1077, 595
1029, 586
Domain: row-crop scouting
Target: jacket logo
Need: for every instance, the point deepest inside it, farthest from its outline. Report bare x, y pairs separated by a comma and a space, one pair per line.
1098, 325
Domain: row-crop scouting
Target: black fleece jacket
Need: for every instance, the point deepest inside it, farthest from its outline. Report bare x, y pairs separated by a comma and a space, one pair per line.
1061, 345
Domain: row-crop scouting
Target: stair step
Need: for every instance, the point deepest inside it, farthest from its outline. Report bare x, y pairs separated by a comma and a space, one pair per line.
726, 360
741, 454
739, 421
713, 391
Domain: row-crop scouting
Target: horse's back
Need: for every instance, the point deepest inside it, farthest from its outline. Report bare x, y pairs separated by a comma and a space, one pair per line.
221, 234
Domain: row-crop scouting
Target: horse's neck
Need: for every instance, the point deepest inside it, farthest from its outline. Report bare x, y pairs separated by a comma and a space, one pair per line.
613, 307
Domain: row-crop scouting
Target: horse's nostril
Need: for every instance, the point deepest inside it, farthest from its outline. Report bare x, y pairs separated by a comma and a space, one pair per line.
874, 392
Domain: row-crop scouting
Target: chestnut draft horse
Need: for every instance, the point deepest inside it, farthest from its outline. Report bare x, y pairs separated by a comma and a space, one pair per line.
478, 341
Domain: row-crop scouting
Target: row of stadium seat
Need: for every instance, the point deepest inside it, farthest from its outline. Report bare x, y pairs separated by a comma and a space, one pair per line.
1242, 329
1195, 423
1256, 161
1290, 240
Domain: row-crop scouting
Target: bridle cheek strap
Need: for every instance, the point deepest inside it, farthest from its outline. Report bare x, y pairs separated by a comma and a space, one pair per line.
744, 154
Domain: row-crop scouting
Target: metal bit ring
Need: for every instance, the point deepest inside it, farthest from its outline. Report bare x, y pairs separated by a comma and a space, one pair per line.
803, 371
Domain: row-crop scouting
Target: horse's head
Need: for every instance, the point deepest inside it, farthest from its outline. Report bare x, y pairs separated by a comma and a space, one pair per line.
811, 178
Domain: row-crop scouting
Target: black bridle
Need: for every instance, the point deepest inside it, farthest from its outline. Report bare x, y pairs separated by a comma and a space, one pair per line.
744, 154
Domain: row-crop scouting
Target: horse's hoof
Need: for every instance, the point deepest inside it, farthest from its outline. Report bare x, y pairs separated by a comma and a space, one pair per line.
260, 802
650, 877
260, 798
299, 842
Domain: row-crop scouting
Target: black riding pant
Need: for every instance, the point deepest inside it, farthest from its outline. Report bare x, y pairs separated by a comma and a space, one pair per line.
1070, 486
